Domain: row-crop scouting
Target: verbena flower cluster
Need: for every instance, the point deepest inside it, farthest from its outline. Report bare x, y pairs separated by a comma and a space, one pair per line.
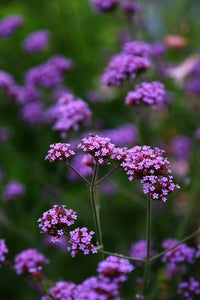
152, 169
139, 250
176, 258
102, 6
68, 113
189, 289
55, 220
59, 152
36, 41
80, 239
13, 190
99, 147
181, 147
105, 286
3, 250
9, 25
30, 261
149, 93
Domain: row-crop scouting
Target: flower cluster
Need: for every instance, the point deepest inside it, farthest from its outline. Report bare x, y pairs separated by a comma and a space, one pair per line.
80, 239
149, 93
181, 147
59, 152
30, 261
9, 25
33, 113
99, 147
139, 250
122, 67
49, 74
3, 250
144, 161
189, 288
62, 290
36, 41
176, 257
13, 190
151, 168
55, 220
68, 113
158, 187
115, 269
7, 83
130, 8
102, 6
137, 48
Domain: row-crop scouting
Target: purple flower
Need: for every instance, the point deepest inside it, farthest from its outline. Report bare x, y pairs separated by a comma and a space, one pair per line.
139, 250
181, 147
27, 94
36, 41
63, 290
180, 254
122, 67
9, 25
144, 161
55, 220
3, 250
114, 269
68, 114
139, 297
7, 84
149, 93
33, 113
83, 164
80, 240
158, 49
137, 48
13, 190
49, 74
30, 261
189, 289
192, 86
95, 288
59, 152
99, 147
158, 187
197, 133
102, 6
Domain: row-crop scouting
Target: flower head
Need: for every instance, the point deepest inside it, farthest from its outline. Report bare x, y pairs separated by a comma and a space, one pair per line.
189, 288
137, 48
149, 93
63, 290
80, 240
59, 152
9, 25
3, 250
30, 261
13, 190
102, 6
55, 220
99, 147
114, 268
36, 41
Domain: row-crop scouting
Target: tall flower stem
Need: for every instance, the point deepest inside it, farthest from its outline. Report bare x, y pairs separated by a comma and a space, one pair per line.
95, 209
122, 256
77, 173
148, 239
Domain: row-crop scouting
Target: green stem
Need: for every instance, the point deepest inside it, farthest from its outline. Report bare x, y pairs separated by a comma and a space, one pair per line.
122, 256
95, 209
148, 238
77, 173
179, 243
107, 175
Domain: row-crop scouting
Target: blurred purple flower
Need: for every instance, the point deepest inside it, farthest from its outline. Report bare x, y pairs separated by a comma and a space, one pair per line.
102, 6
181, 147
9, 25
36, 41
13, 190
3, 250
189, 289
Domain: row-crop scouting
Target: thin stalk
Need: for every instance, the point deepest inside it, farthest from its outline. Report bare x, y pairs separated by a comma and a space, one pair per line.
107, 175
179, 243
95, 208
77, 173
148, 238
122, 256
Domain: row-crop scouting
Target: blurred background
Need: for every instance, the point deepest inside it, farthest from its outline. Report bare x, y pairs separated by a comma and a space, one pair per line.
90, 39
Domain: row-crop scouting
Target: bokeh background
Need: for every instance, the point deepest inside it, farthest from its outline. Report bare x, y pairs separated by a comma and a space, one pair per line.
90, 39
